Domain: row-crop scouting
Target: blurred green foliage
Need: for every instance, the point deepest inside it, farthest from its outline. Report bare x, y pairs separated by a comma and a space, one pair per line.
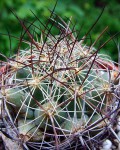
84, 13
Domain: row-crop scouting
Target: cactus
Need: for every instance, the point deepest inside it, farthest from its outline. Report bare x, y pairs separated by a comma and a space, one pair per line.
63, 93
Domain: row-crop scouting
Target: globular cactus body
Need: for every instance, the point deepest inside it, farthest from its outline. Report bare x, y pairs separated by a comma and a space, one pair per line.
61, 91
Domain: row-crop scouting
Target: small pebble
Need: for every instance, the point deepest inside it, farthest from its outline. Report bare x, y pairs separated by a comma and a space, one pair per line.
118, 127
0, 107
107, 144
118, 119
118, 123
118, 134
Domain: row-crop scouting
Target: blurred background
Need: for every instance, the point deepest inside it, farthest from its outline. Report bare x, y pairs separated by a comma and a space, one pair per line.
84, 14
